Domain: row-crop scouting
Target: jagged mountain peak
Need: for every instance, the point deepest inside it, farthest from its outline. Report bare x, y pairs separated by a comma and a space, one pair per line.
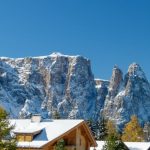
136, 71
116, 74
116, 67
115, 81
131, 97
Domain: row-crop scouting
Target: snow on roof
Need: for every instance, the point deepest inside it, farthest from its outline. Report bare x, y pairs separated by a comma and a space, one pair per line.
50, 130
138, 145
28, 130
130, 145
99, 145
33, 144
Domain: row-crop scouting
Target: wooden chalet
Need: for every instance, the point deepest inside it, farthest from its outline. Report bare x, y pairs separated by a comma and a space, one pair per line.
34, 134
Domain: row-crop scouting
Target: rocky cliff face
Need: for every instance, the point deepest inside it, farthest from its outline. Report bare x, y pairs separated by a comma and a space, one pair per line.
65, 84
102, 91
128, 96
48, 84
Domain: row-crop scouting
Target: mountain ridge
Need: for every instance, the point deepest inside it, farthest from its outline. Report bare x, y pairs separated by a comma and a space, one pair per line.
66, 84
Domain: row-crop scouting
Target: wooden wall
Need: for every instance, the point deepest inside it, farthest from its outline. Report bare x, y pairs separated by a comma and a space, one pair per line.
75, 140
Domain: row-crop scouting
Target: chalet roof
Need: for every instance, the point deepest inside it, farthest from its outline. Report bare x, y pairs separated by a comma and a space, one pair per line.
49, 130
32, 129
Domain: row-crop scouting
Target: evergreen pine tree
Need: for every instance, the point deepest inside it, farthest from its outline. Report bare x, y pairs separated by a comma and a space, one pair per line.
92, 125
101, 129
94, 128
56, 115
146, 131
132, 131
60, 145
7, 142
113, 143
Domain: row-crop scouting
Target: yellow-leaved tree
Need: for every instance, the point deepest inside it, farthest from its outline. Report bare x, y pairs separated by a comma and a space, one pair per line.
113, 141
133, 131
111, 128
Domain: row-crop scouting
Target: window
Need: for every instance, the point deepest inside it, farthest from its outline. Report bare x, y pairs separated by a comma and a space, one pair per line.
27, 138
20, 138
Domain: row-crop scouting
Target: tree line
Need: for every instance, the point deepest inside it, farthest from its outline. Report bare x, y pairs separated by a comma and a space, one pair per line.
104, 130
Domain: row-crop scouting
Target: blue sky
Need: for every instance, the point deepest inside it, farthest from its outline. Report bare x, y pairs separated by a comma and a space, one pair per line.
108, 32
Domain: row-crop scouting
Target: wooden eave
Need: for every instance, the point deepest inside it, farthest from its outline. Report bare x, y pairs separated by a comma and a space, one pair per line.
89, 133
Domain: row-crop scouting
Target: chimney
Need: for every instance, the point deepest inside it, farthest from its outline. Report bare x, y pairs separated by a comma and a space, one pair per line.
36, 118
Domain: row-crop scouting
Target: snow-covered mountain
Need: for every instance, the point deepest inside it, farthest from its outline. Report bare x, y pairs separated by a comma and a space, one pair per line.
129, 95
48, 84
65, 84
